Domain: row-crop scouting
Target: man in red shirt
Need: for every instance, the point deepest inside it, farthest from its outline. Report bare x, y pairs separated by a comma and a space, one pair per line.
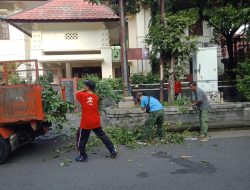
90, 121
177, 88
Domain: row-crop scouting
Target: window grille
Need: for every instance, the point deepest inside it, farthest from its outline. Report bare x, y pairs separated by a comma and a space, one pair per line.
71, 36
4, 31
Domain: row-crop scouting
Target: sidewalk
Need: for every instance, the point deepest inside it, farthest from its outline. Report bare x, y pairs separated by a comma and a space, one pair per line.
227, 133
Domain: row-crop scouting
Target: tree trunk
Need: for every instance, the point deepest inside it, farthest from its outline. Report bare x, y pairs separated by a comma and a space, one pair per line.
230, 51
171, 94
124, 63
161, 54
231, 59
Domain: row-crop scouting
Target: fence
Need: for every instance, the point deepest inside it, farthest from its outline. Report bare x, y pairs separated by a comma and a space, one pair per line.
25, 72
229, 91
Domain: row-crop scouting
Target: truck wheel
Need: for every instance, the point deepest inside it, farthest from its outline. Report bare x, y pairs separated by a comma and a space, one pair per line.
4, 149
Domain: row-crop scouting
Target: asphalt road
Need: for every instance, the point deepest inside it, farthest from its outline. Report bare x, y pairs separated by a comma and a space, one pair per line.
221, 163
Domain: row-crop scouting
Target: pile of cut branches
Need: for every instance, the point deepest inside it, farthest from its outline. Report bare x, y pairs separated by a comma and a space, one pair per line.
54, 107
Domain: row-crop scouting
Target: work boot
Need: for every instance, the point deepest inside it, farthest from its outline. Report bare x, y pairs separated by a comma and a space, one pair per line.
113, 153
80, 158
203, 137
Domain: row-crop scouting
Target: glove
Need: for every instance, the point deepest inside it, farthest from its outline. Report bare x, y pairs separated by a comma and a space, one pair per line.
194, 106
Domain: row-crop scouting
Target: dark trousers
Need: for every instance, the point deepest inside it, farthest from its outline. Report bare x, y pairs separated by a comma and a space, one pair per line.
83, 137
155, 118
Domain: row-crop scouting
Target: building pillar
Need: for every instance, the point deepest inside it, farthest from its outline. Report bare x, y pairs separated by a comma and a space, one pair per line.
107, 68
106, 53
68, 71
140, 22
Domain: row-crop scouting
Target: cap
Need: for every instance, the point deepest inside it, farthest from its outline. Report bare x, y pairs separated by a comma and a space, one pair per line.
90, 84
137, 97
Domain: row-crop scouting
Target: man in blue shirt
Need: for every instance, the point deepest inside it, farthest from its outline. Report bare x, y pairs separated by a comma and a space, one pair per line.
156, 115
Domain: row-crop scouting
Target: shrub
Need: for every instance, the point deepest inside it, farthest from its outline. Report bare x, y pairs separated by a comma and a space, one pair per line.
140, 78
14, 79
80, 83
115, 83
104, 87
243, 79
105, 91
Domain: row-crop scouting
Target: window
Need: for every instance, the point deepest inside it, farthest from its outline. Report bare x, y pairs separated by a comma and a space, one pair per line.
4, 31
82, 71
196, 29
118, 72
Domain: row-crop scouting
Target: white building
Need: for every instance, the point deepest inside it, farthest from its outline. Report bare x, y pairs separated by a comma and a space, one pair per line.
78, 37
14, 44
15, 41
74, 36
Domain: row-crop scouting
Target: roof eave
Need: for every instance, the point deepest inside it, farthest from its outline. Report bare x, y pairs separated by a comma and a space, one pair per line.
21, 29
60, 20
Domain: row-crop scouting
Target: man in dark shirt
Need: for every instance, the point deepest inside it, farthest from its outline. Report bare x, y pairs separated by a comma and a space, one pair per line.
200, 100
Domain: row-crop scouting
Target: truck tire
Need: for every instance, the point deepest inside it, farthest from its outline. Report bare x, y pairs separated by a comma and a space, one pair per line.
4, 149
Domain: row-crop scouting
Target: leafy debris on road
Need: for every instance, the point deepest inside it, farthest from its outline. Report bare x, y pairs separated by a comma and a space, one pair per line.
160, 154
129, 160
204, 162
66, 162
185, 157
204, 139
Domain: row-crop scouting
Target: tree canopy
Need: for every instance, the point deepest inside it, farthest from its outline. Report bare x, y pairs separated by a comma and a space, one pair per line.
226, 21
224, 16
171, 37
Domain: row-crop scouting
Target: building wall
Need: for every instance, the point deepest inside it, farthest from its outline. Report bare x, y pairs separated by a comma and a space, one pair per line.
69, 36
85, 42
16, 48
76, 36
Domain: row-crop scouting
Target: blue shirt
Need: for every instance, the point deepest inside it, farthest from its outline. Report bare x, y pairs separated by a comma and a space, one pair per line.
154, 104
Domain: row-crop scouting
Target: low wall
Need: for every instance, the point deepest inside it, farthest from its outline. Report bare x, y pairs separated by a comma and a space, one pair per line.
227, 115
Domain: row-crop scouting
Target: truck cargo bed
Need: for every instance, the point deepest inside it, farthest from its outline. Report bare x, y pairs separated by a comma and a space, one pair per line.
20, 103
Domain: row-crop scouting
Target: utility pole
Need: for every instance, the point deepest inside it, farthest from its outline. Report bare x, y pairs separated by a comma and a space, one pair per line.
162, 15
124, 63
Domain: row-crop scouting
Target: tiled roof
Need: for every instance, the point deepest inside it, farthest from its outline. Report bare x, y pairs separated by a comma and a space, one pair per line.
66, 10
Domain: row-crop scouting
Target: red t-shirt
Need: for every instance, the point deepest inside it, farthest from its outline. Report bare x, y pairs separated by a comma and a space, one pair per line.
177, 87
90, 110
